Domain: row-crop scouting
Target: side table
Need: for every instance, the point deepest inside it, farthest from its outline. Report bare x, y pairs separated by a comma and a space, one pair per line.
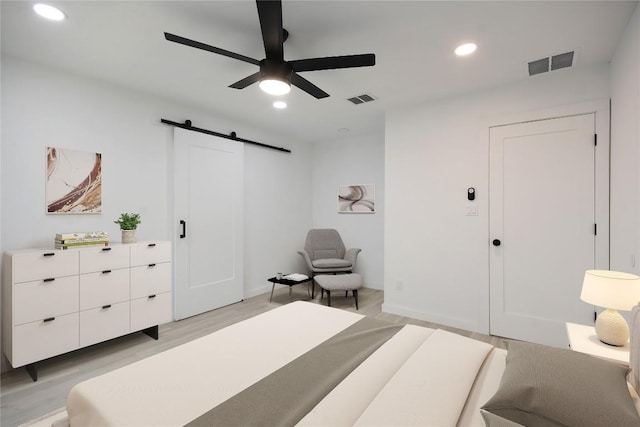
583, 338
287, 282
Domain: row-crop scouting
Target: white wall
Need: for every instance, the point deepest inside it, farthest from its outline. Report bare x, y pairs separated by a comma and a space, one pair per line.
434, 152
625, 150
44, 107
277, 212
348, 161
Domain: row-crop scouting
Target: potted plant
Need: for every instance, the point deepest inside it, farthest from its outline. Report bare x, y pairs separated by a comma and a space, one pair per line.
128, 223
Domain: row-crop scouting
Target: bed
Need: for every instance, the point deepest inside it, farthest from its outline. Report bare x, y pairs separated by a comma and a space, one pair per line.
311, 365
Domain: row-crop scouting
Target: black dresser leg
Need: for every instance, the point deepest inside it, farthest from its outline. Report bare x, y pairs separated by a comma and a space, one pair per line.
152, 332
32, 371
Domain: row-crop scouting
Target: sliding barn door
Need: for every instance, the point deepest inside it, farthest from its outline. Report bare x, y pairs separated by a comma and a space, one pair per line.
542, 218
208, 216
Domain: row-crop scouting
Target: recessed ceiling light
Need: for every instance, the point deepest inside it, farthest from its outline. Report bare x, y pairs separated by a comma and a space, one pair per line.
280, 104
49, 12
466, 49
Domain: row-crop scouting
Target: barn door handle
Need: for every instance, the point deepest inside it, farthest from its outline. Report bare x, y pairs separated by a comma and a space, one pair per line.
183, 223
496, 242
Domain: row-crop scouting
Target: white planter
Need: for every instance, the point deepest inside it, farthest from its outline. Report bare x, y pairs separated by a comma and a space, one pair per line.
128, 236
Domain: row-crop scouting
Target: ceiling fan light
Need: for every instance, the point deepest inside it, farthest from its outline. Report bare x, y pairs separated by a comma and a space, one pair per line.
275, 87
49, 12
466, 49
280, 105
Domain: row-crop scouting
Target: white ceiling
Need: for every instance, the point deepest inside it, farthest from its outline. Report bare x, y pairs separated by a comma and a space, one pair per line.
123, 42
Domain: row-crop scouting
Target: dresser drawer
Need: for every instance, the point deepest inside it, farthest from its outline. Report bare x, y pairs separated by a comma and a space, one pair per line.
150, 253
40, 340
108, 287
103, 323
151, 279
151, 311
42, 299
44, 264
103, 258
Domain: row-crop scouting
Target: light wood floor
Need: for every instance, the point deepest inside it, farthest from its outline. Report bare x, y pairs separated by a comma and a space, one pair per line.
23, 400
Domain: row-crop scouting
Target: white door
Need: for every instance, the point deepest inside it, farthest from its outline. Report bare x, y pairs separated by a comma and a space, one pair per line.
208, 216
542, 227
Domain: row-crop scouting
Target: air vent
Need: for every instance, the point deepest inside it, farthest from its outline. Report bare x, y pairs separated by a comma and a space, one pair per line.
361, 99
539, 66
551, 63
563, 60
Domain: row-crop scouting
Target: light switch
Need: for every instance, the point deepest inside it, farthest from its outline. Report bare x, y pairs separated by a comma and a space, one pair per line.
472, 210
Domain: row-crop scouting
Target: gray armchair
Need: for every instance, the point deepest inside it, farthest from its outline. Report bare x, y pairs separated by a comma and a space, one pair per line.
325, 253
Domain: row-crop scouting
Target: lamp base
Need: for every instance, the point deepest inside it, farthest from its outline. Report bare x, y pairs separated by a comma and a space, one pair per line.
611, 328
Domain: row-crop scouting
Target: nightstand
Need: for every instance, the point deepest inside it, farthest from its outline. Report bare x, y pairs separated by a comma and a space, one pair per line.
583, 339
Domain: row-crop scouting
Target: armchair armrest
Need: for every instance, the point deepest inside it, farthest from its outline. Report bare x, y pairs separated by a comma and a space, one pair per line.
306, 258
351, 255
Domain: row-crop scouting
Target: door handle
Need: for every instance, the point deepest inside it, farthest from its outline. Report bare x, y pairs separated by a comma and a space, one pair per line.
183, 223
496, 242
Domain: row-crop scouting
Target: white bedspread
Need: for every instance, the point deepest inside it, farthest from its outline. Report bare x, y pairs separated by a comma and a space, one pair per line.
176, 386
432, 387
346, 403
418, 377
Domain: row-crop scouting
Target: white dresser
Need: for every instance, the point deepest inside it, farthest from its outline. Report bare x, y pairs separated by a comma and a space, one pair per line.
56, 301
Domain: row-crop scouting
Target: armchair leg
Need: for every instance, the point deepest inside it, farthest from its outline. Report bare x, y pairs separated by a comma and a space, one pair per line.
328, 297
355, 295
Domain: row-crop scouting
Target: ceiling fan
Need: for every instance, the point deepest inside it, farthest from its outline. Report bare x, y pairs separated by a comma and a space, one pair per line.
277, 75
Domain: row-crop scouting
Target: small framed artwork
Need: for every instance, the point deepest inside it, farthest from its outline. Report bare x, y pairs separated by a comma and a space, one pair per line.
357, 198
74, 181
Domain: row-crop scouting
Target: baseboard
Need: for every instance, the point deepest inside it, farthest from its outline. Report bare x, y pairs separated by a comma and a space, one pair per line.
257, 291
453, 322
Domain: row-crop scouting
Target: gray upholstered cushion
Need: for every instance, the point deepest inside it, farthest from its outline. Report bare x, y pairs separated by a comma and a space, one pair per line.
324, 253
339, 282
331, 263
320, 240
546, 386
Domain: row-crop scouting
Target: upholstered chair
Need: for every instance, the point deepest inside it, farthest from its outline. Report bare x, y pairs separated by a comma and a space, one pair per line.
325, 253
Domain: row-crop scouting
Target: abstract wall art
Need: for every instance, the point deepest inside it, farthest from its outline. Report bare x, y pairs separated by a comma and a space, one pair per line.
74, 181
357, 198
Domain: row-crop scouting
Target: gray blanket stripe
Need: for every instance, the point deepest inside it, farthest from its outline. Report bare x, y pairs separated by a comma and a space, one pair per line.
285, 396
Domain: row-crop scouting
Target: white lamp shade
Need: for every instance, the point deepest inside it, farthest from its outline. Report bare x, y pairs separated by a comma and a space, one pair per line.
611, 289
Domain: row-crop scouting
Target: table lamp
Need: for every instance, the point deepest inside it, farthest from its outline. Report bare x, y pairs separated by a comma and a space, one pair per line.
614, 291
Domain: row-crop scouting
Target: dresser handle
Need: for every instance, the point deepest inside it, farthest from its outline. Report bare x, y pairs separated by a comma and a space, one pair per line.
50, 279
104, 307
49, 254
106, 249
152, 265
49, 319
106, 271
151, 245
151, 296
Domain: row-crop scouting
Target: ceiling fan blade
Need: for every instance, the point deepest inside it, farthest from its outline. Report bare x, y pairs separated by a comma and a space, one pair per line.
308, 87
198, 45
333, 62
270, 16
241, 84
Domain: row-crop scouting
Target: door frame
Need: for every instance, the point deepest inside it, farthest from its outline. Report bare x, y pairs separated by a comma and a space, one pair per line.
601, 109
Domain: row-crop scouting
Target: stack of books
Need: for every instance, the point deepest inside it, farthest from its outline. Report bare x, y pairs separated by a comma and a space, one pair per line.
76, 240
